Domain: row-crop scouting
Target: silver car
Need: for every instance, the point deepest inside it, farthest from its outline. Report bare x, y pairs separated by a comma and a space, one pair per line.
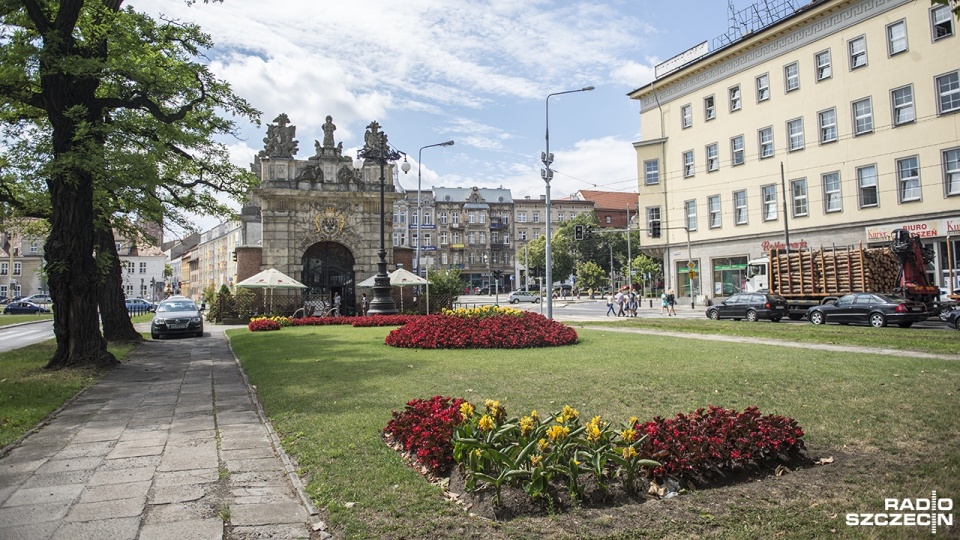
524, 296
177, 316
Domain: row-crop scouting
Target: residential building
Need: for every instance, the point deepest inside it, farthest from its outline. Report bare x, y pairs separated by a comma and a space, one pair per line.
21, 264
613, 208
832, 125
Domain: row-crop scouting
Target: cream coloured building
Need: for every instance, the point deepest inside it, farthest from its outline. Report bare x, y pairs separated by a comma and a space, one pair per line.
847, 107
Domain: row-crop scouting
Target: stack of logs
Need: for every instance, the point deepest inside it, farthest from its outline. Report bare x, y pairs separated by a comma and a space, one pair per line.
834, 271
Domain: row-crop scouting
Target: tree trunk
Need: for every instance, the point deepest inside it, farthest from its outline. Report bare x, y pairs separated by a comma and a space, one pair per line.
113, 310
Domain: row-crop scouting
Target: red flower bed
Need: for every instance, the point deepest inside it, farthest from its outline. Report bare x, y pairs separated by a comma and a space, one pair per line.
716, 439
499, 332
384, 320
321, 321
425, 429
263, 325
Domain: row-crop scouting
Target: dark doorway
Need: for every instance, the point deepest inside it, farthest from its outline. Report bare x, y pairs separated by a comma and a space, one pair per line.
328, 271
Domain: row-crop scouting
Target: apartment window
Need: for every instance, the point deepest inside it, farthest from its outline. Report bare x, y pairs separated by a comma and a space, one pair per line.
897, 37
766, 142
521, 217
763, 87
653, 221
522, 235
143, 267
4, 268
862, 116
902, 105
857, 48
798, 189
908, 179
791, 76
456, 238
713, 157
828, 125
948, 92
472, 238
483, 217
443, 217
17, 268
651, 172
130, 267
824, 65
736, 150
831, 192
536, 234
795, 133
444, 260
688, 167
735, 100
951, 171
455, 218
427, 217
713, 206
941, 21
414, 218
869, 194
34, 247
427, 239
690, 210
128, 289
396, 239
709, 108
536, 217
483, 238
769, 202
740, 207
443, 239
686, 116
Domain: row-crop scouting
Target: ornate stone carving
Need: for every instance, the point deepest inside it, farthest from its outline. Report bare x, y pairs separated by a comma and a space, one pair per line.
279, 141
329, 223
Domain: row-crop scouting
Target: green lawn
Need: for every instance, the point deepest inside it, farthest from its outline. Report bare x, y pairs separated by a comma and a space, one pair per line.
329, 391
16, 319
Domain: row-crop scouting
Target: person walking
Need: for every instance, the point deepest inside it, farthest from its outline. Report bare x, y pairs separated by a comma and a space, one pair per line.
621, 300
664, 303
633, 303
363, 305
671, 302
336, 304
610, 300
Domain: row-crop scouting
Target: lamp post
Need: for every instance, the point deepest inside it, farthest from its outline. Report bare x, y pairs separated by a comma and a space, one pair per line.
378, 151
547, 175
419, 213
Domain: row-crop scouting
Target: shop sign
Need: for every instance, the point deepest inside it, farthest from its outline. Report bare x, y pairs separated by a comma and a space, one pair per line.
767, 245
717, 267
923, 229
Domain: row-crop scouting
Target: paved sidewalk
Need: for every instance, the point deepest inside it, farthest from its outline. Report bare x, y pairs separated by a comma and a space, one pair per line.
171, 445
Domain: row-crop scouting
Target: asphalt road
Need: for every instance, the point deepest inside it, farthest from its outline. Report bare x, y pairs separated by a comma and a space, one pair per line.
20, 335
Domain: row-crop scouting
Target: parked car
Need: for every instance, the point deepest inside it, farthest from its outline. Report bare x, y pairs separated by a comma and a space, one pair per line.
874, 309
40, 299
23, 307
139, 305
750, 307
177, 315
953, 319
524, 296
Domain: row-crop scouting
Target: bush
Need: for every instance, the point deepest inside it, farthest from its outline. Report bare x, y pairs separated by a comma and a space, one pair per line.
425, 429
263, 325
483, 330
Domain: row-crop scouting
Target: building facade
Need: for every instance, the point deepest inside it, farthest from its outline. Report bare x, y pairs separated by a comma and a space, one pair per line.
831, 126
21, 265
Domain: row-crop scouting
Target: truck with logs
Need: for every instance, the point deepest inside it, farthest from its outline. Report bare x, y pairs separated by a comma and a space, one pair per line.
809, 277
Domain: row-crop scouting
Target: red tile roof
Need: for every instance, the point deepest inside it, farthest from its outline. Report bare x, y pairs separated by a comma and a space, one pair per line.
609, 200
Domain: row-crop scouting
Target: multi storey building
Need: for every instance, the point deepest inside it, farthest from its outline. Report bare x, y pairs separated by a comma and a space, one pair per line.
21, 265
833, 125
529, 216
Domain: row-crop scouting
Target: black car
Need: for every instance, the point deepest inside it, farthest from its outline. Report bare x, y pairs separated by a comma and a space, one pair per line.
177, 315
750, 306
23, 308
953, 319
869, 308
139, 305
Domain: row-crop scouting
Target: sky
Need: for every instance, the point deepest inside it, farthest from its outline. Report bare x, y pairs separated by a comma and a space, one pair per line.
477, 72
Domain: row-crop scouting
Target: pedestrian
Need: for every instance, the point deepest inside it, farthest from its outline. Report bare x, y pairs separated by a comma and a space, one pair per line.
610, 300
671, 301
664, 303
336, 304
621, 300
363, 304
633, 303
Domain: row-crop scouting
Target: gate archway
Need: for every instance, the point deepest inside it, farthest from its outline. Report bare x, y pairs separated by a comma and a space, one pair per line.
328, 270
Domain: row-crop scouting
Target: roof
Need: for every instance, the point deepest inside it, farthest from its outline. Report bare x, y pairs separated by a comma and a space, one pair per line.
607, 200
461, 195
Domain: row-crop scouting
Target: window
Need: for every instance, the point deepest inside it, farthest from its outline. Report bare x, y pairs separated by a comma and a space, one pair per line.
483, 217
688, 163
897, 38
472, 238
427, 239
941, 21
443, 238
4, 268
769, 202
653, 221
948, 92
869, 194
686, 116
17, 268
766, 142
828, 125
713, 157
34, 247
443, 217
456, 238
857, 47
798, 188
444, 259
471, 217
690, 210
414, 218
455, 218
763, 87
740, 207
396, 239
735, 98
795, 134
951, 171
608, 220
143, 267
651, 172
736, 150
709, 108
427, 218
791, 76
862, 116
522, 235
713, 206
130, 267
908, 179
483, 238
536, 234
902, 105
831, 192
521, 217
536, 217
824, 66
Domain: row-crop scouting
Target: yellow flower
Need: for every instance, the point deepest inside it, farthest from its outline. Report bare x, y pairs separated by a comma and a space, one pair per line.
575, 462
535, 460
485, 423
557, 433
477, 453
534, 415
628, 435
543, 445
634, 420
593, 432
629, 452
466, 409
569, 413
526, 425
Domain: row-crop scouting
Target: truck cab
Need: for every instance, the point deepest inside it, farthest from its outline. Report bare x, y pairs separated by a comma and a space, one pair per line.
757, 278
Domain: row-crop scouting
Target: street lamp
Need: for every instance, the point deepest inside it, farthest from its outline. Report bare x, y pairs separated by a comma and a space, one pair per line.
419, 213
547, 175
380, 152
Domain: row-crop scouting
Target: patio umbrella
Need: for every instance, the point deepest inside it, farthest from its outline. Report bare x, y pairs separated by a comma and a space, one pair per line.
398, 278
271, 279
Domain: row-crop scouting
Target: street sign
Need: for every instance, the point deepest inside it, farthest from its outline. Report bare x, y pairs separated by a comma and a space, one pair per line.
691, 265
692, 274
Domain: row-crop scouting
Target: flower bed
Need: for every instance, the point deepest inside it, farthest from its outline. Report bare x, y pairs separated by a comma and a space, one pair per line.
482, 328
263, 324
425, 430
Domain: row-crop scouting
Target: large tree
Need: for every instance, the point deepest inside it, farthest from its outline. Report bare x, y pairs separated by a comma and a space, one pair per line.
118, 116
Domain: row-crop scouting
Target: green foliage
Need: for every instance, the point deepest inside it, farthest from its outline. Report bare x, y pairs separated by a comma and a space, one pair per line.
591, 276
446, 283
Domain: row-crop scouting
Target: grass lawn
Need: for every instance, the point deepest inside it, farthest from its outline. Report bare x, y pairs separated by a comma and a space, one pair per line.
890, 423
15, 319
28, 393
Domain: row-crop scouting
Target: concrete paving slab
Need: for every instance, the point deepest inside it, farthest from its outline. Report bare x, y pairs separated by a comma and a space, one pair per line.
202, 529
136, 451
58, 479
82, 450
12, 465
43, 495
284, 531
178, 494
112, 492
270, 464
182, 478
12, 516
266, 513
185, 459
121, 476
231, 418
182, 511
68, 465
130, 463
248, 453
180, 425
100, 529
119, 508
29, 531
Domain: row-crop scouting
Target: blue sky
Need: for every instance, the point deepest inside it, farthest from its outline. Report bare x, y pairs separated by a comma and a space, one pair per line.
477, 72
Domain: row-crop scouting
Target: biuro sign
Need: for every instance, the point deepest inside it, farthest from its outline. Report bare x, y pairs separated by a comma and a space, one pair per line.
923, 229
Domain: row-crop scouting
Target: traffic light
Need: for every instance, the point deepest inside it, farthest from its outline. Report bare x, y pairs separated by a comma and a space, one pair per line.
234, 256
578, 232
587, 232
